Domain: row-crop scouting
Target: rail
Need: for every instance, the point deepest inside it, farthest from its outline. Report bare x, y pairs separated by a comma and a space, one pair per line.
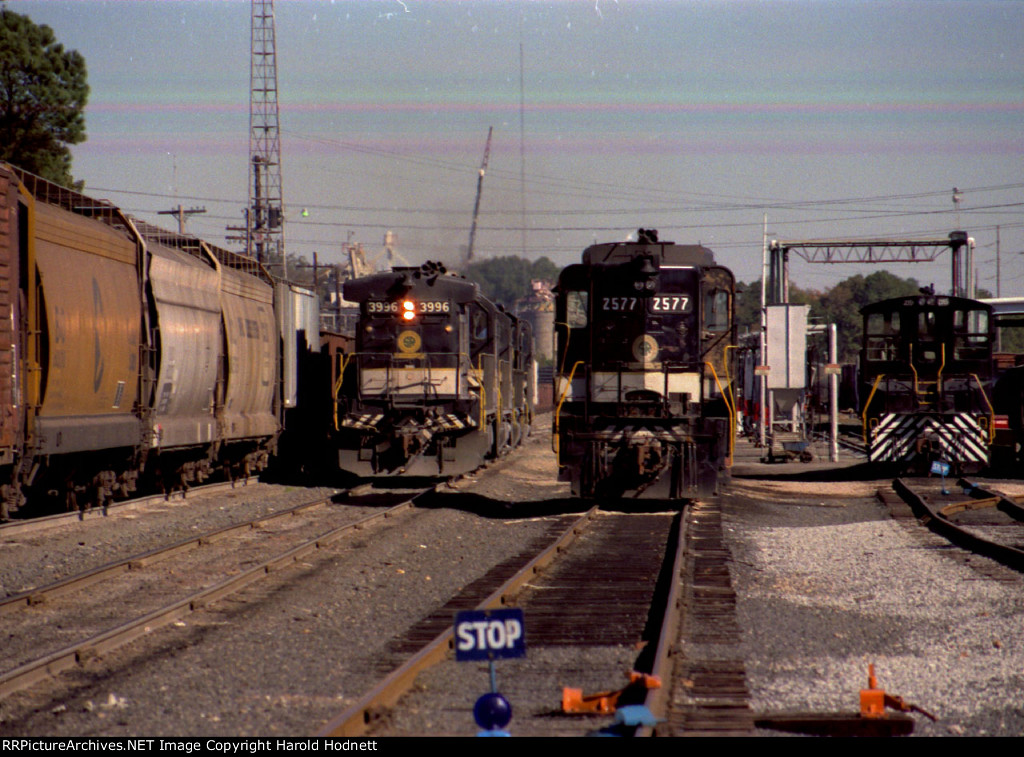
133, 562
938, 521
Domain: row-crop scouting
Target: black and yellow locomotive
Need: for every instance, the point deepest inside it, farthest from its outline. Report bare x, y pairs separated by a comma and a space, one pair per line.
926, 369
643, 398
440, 378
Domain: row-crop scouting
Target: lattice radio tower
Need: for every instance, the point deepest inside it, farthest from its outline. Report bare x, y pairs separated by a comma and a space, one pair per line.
265, 214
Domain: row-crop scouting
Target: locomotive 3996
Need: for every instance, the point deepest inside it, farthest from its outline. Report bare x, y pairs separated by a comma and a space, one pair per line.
643, 397
440, 379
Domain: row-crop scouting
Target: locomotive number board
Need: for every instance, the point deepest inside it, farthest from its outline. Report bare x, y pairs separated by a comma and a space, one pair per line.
670, 303
423, 307
659, 303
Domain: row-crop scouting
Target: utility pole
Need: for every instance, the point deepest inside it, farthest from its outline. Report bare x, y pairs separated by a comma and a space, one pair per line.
182, 214
999, 290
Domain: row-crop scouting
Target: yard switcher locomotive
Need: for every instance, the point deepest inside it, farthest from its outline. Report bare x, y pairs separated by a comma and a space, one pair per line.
643, 398
927, 373
440, 380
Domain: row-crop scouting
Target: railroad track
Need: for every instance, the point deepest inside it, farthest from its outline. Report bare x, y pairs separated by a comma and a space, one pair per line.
709, 696
136, 595
595, 612
32, 525
978, 520
77, 582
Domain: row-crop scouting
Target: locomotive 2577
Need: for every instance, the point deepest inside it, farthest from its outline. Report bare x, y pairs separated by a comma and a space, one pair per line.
440, 379
643, 398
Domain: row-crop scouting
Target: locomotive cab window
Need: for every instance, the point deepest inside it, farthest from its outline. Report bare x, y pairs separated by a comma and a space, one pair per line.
716, 311
576, 309
926, 323
480, 329
884, 323
882, 335
971, 330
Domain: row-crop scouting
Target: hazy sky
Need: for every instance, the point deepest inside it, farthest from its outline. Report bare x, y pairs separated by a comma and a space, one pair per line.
836, 119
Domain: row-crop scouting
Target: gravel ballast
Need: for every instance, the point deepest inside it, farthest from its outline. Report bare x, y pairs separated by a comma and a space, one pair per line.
827, 583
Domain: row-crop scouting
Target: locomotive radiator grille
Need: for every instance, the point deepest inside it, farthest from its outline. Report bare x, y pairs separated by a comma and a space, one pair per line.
954, 438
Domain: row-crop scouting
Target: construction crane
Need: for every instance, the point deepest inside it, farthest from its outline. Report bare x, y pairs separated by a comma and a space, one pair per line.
479, 189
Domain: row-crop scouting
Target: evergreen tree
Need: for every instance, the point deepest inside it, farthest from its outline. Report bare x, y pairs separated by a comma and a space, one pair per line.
43, 91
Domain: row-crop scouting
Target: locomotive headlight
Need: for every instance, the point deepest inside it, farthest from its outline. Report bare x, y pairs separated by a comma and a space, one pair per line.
408, 310
650, 285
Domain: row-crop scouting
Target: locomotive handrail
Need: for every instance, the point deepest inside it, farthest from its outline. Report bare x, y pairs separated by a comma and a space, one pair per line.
728, 406
715, 341
864, 413
483, 388
938, 376
991, 411
910, 362
337, 385
565, 352
558, 407
499, 410
732, 399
